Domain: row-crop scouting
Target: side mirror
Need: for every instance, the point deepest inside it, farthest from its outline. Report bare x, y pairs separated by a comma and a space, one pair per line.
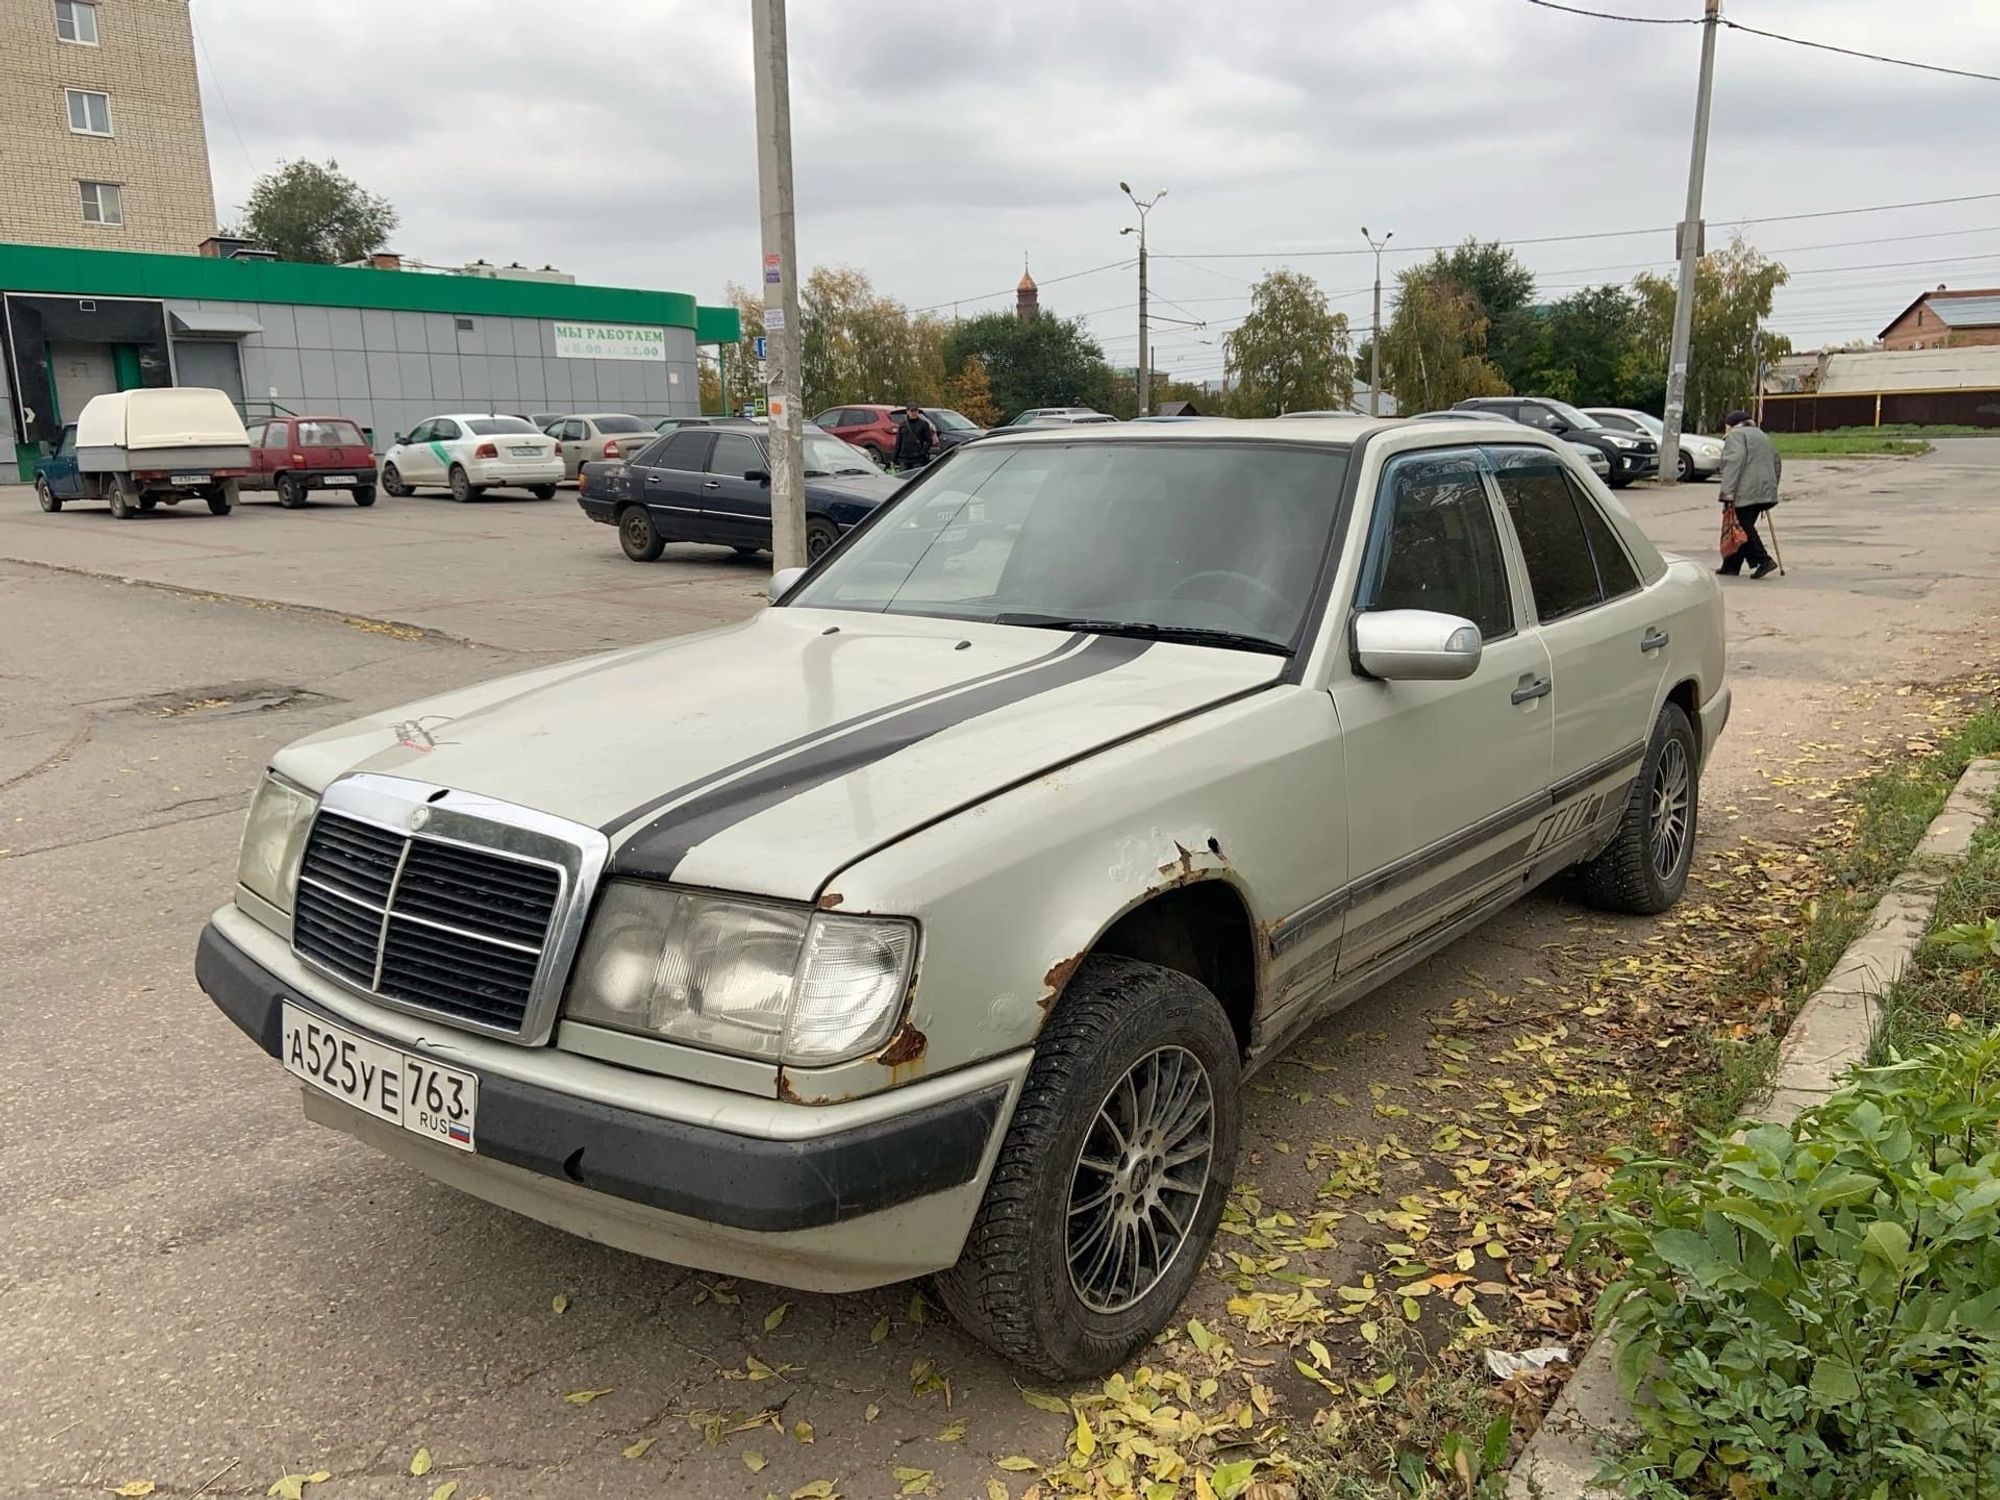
782, 581
1558, 426
1416, 645
399, 439
757, 476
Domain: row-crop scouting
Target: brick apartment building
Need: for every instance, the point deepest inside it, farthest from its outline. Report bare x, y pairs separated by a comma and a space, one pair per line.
1946, 319
101, 139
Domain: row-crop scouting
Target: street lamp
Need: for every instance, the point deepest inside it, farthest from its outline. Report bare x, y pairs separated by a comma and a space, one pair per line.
1375, 339
1144, 205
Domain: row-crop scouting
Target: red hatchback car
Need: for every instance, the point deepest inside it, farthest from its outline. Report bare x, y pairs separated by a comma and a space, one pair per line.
295, 454
874, 427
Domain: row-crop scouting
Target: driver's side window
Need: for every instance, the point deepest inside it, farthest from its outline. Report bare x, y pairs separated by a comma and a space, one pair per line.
1433, 543
68, 440
421, 433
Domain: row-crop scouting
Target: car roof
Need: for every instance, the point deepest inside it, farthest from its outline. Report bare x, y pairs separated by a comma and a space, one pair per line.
1342, 430
472, 416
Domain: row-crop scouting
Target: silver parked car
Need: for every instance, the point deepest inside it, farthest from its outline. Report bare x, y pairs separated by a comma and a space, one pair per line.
1701, 457
589, 437
929, 922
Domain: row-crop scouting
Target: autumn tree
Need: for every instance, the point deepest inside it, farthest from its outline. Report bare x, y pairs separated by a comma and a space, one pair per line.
708, 382
1434, 349
306, 211
970, 393
1291, 352
1504, 288
859, 345
1732, 298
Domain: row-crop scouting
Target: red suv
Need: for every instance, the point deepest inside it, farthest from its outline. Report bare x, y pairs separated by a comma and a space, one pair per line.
874, 427
294, 454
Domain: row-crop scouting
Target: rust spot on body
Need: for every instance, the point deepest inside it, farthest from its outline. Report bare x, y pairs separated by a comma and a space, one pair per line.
1057, 980
830, 900
906, 1046
786, 1091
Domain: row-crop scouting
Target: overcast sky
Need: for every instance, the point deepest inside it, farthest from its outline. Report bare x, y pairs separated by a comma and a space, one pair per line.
937, 144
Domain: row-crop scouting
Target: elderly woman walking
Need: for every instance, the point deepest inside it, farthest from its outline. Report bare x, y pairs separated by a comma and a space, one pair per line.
1751, 469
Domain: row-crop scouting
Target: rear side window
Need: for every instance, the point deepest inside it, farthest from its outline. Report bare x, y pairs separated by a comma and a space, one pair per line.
1615, 573
735, 455
443, 430
1544, 506
685, 450
274, 435
1434, 545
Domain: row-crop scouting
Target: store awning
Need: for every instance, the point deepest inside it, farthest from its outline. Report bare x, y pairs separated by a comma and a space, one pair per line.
214, 325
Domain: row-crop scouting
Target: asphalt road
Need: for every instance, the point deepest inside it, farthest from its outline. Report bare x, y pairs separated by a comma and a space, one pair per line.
197, 1286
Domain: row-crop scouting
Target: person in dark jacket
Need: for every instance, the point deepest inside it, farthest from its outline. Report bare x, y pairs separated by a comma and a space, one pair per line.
915, 438
1751, 469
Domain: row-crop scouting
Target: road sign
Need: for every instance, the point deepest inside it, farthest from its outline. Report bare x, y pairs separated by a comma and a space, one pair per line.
758, 344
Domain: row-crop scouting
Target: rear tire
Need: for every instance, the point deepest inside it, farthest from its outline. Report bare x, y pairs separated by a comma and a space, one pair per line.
1081, 1251
748, 551
821, 534
542, 491
638, 535
364, 495
291, 493
1644, 869
223, 500
124, 504
392, 481
44, 496
462, 488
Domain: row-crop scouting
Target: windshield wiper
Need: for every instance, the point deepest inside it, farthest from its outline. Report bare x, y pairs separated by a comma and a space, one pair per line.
1191, 635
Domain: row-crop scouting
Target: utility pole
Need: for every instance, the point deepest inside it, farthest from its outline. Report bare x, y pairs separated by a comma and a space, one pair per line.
781, 286
1375, 338
1691, 233
1144, 205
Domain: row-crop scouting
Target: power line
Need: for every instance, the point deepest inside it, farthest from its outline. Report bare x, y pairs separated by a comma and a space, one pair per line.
1605, 15
1900, 62
1116, 265
216, 78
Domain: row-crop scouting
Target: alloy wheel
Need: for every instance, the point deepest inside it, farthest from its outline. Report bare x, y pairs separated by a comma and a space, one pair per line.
1139, 1179
1673, 787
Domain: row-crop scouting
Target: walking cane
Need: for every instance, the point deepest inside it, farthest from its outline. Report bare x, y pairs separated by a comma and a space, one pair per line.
1771, 520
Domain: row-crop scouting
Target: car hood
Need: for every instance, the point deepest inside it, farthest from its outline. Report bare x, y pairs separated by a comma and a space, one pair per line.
869, 489
767, 756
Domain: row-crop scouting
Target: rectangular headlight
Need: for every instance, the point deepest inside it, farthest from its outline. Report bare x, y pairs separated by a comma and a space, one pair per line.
274, 836
753, 978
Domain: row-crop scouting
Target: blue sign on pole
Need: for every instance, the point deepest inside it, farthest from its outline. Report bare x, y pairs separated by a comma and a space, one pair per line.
758, 344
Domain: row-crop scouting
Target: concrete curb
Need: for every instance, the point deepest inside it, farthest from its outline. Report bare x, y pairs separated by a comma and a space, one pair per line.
1832, 1032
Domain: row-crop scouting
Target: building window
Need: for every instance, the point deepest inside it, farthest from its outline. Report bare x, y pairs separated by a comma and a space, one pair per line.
76, 21
89, 112
103, 203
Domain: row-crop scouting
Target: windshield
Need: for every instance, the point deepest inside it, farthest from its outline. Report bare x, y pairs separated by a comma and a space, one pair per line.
829, 455
1570, 414
948, 421
1171, 537
1653, 425
488, 426
620, 424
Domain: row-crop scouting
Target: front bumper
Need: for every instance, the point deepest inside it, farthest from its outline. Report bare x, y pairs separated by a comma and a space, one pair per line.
869, 1199
514, 471
1629, 463
1704, 462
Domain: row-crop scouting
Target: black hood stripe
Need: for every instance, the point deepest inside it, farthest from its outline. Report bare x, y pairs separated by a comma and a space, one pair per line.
814, 736
656, 850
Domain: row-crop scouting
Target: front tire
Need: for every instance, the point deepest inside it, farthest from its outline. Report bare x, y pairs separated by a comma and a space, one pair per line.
638, 535
1644, 869
46, 497
291, 493
462, 487
1112, 1177
1687, 467
542, 491
392, 481
364, 495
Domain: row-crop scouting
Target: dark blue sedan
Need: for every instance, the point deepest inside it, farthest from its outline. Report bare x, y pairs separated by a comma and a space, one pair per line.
713, 484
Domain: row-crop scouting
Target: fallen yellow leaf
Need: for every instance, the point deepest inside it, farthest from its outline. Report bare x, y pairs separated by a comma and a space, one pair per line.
135, 1487
754, 1461
638, 1449
776, 1316
559, 1302
584, 1398
420, 1462
446, 1490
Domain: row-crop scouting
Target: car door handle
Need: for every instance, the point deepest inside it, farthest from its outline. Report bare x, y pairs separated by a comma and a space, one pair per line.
1653, 639
1532, 688
711, 484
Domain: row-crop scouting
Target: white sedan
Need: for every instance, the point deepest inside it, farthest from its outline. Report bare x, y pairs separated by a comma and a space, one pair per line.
468, 453
1701, 457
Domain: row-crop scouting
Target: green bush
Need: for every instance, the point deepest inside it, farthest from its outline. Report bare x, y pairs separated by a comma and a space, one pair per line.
1815, 1311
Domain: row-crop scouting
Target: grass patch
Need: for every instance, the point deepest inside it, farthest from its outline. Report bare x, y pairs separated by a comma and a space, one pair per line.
1943, 993
1913, 429
1892, 808
1864, 444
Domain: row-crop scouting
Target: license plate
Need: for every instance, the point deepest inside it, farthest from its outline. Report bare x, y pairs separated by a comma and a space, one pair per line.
338, 479
437, 1103
187, 479
524, 452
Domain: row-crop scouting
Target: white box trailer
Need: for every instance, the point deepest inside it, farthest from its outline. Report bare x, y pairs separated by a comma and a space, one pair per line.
139, 448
